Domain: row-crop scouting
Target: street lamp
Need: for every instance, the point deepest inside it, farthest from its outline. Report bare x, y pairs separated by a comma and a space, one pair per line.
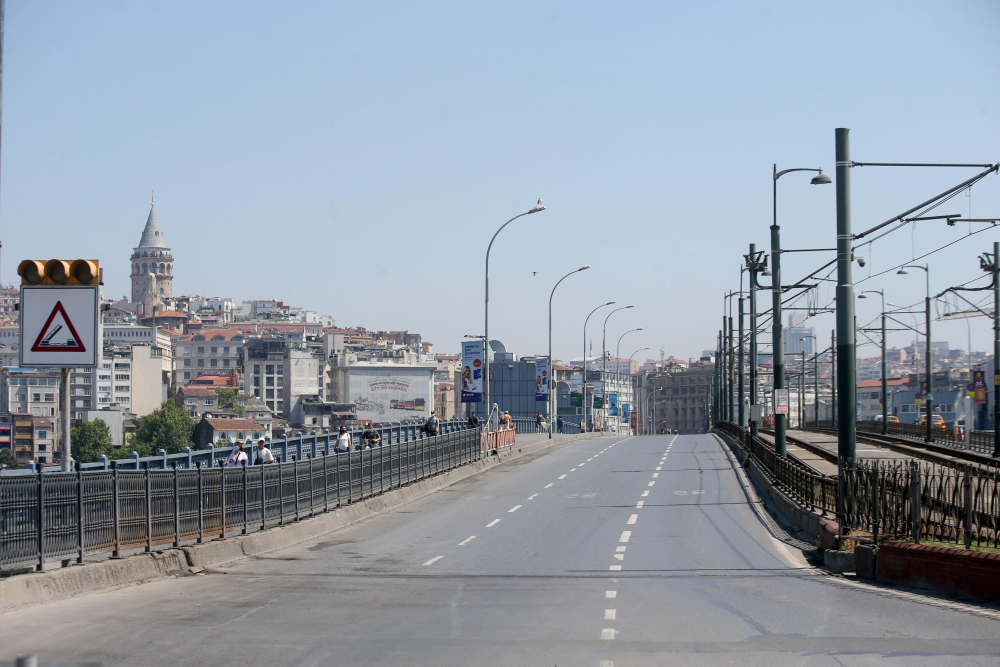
777, 339
635, 383
604, 360
885, 380
550, 389
929, 399
584, 369
538, 207
618, 352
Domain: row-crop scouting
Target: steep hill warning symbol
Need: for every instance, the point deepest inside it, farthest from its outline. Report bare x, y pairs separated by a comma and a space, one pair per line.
58, 334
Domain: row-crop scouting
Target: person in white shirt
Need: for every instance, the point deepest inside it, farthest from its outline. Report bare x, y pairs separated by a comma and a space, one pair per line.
343, 441
238, 458
264, 455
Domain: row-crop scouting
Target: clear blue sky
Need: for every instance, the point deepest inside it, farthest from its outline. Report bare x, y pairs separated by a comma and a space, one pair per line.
355, 159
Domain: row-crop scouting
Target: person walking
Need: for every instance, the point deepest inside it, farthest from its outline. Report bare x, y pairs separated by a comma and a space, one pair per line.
559, 423
539, 418
263, 455
238, 458
343, 441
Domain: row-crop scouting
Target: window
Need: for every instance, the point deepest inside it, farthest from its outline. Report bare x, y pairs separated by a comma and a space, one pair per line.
187, 376
240, 436
121, 377
191, 401
43, 434
269, 370
187, 363
225, 363
214, 363
908, 407
947, 407
37, 398
280, 391
256, 382
187, 350
270, 381
281, 382
215, 350
256, 369
281, 370
121, 387
201, 363
225, 350
269, 393
201, 350
123, 399
49, 398
209, 401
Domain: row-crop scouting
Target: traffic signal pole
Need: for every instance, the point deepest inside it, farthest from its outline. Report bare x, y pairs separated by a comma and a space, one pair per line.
67, 450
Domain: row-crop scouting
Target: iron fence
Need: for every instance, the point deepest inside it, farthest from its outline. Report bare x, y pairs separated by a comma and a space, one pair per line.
54, 515
817, 492
978, 441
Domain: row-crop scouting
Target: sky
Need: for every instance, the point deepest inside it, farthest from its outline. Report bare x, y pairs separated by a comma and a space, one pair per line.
355, 159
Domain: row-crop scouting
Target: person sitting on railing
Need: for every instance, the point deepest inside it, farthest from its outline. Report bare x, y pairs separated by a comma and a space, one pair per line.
238, 458
263, 455
473, 421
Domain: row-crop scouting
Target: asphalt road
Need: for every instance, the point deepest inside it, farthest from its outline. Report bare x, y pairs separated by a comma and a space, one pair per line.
607, 552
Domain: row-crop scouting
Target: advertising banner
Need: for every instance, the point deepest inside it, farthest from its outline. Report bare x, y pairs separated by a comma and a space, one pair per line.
598, 389
613, 405
781, 401
391, 395
472, 372
625, 411
979, 381
541, 379
576, 390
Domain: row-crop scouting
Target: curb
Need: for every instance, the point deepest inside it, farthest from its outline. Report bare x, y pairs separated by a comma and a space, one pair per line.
37, 588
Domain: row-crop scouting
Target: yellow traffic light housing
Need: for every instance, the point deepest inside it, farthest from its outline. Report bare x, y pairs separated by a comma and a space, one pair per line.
60, 272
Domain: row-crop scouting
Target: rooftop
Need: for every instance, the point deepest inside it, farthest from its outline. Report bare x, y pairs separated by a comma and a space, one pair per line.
234, 424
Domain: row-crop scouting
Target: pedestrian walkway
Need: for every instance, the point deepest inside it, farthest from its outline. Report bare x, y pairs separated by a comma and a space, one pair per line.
823, 466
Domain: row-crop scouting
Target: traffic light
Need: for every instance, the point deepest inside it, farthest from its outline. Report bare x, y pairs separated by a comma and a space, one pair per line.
60, 272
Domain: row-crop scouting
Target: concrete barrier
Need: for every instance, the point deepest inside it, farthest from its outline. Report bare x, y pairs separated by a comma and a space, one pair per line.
939, 568
36, 588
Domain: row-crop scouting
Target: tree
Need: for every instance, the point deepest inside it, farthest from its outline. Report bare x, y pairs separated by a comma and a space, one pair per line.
7, 457
90, 440
227, 398
168, 428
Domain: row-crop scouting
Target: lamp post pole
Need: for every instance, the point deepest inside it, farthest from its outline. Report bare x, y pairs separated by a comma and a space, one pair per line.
929, 399
833, 380
756, 263
739, 392
777, 337
618, 351
550, 389
584, 373
885, 379
847, 423
635, 392
604, 363
802, 418
538, 207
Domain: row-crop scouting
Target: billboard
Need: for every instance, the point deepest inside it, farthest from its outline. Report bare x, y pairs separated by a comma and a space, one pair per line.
576, 390
541, 379
781, 401
392, 394
613, 405
472, 372
979, 384
625, 411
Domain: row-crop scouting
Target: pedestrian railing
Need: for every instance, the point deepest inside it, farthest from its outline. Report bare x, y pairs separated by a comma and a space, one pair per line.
978, 441
923, 502
54, 515
804, 485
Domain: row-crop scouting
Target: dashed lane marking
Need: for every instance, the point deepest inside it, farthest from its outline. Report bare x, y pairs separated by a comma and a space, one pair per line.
625, 535
609, 614
493, 523
619, 556
572, 469
608, 633
639, 504
644, 493
533, 496
514, 508
433, 560
466, 541
607, 663
632, 519
610, 594
659, 468
614, 568
619, 549
562, 476
651, 484
655, 475
550, 484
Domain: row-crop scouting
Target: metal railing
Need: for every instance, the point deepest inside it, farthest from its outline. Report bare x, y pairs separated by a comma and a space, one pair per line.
817, 492
54, 515
923, 502
979, 441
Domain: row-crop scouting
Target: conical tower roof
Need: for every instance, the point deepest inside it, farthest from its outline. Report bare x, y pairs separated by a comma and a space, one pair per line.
152, 237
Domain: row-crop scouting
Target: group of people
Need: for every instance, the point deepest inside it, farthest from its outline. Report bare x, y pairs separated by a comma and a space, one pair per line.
370, 438
261, 456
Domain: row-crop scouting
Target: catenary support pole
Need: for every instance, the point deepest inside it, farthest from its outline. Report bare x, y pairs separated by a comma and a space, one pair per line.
846, 353
885, 382
740, 389
729, 373
754, 425
777, 337
929, 399
833, 379
996, 350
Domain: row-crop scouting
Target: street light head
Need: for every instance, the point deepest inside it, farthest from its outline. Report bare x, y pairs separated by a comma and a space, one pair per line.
611, 303
538, 207
821, 179
903, 272
861, 260
583, 268
630, 306
767, 273
862, 296
639, 329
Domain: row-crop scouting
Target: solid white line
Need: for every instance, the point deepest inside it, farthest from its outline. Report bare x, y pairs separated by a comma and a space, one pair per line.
562, 476
651, 484
607, 663
614, 568
625, 535
581, 465
632, 519
493, 523
610, 594
644, 493
433, 560
608, 633
466, 541
639, 504
550, 484
514, 508
609, 614
533, 496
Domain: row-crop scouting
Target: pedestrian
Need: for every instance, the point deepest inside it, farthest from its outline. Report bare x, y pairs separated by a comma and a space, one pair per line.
539, 418
590, 425
473, 421
263, 454
559, 423
237, 458
371, 437
431, 427
343, 441
612, 428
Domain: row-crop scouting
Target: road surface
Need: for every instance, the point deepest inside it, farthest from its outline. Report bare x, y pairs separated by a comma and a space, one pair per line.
607, 552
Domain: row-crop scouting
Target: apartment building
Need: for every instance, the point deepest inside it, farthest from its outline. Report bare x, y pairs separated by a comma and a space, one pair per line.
211, 351
29, 392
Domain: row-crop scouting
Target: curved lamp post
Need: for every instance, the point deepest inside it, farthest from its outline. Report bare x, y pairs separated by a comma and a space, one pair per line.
635, 391
604, 358
486, 334
551, 388
584, 372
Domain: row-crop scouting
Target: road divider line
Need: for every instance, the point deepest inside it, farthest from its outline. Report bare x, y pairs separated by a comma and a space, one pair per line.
639, 504
550, 484
513, 509
433, 560
644, 493
493, 523
632, 519
466, 540
610, 594
608, 633
572, 469
625, 535
614, 568
659, 468
562, 476
651, 484
620, 549
619, 556
655, 475
609, 614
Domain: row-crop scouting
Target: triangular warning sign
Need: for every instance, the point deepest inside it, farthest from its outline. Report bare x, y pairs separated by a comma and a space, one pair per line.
58, 334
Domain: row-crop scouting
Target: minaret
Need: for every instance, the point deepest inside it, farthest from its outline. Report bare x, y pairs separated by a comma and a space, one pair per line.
152, 263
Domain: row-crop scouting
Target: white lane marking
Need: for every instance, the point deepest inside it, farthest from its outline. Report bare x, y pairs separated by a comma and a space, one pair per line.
644, 493
655, 475
610, 594
698, 492
619, 556
433, 560
550, 484
651, 484
609, 614
639, 504
625, 535
591, 458
562, 476
608, 633
607, 663
466, 541
616, 568
678, 493
493, 523
632, 519
620, 549
572, 469
581, 465
532, 496
514, 508
659, 468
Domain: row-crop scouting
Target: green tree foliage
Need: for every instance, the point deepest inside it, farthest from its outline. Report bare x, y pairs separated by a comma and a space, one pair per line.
228, 397
7, 457
168, 428
90, 440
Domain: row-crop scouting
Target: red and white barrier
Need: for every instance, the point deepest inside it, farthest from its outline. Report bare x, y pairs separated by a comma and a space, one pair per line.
493, 441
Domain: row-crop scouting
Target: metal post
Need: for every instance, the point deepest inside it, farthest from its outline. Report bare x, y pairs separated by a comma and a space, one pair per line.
968, 506
149, 509
915, 515
833, 380
885, 381
114, 509
877, 503
777, 335
846, 358
281, 493
79, 511
263, 499
222, 500
929, 399
326, 485
67, 450
201, 506
754, 425
996, 351
740, 389
337, 461
246, 501
41, 519
295, 475
177, 507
